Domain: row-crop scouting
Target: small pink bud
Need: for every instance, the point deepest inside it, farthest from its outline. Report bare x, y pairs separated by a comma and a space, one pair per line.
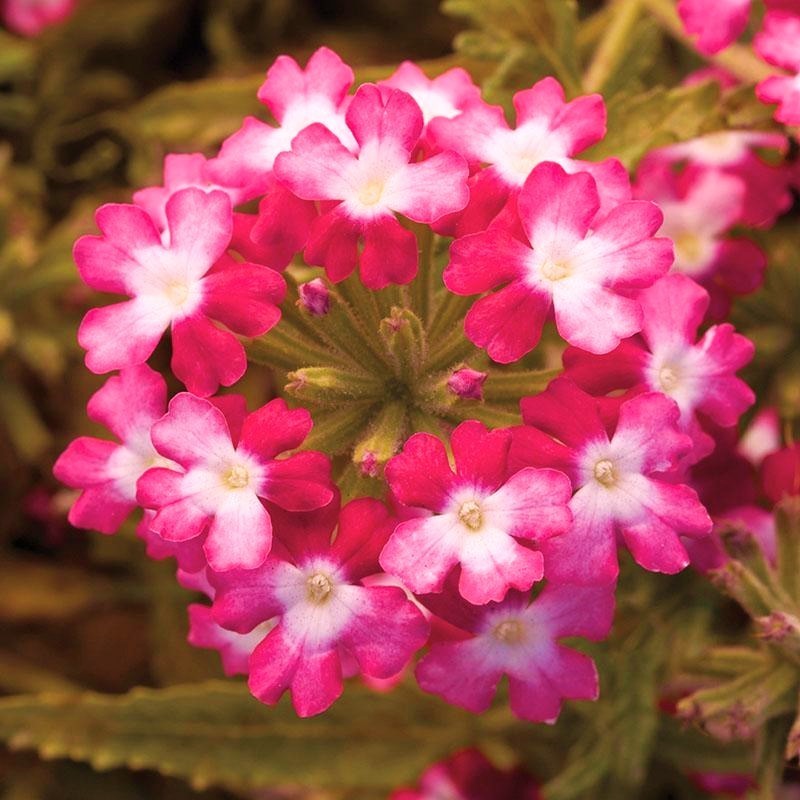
315, 297
369, 465
467, 383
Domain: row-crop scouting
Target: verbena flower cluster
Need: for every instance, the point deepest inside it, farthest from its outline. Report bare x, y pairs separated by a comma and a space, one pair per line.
395, 509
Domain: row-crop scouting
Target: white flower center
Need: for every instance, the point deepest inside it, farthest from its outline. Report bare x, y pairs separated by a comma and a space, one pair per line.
319, 588
604, 472
470, 515
237, 477
509, 631
555, 270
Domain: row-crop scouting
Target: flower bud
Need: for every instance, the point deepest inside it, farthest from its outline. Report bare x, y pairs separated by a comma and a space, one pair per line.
314, 297
467, 383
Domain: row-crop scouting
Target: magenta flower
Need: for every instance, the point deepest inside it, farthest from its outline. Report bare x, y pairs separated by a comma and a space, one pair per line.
182, 285
778, 43
618, 474
325, 614
548, 129
714, 26
128, 404
31, 17
520, 639
700, 207
370, 187
226, 474
569, 259
479, 515
699, 375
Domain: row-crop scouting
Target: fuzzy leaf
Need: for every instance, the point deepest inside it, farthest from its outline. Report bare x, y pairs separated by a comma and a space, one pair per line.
216, 733
657, 117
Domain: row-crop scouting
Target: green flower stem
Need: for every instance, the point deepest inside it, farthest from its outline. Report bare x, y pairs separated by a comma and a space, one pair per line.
285, 347
335, 429
614, 44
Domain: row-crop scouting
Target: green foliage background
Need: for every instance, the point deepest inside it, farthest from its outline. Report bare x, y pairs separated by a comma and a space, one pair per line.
87, 112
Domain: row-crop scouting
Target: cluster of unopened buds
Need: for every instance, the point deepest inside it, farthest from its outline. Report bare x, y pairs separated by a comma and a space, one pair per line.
440, 259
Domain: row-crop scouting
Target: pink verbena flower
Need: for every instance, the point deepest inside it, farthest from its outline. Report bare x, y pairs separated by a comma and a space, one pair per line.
296, 98
182, 286
698, 374
520, 639
128, 405
468, 775
618, 472
482, 519
717, 24
323, 610
548, 129
234, 648
762, 436
371, 186
767, 186
700, 207
570, 259
778, 43
445, 96
31, 17
226, 474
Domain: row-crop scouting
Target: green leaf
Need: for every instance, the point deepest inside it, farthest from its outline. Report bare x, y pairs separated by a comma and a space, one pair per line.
659, 116
520, 34
216, 733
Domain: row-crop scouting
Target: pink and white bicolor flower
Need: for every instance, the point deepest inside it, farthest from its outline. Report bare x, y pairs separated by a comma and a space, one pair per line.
481, 519
548, 129
181, 286
446, 95
371, 187
570, 260
296, 98
700, 207
778, 43
717, 27
619, 478
767, 186
520, 639
128, 405
699, 375
324, 612
225, 476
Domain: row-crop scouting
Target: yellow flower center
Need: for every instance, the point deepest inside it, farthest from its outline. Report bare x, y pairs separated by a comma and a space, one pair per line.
604, 472
319, 588
177, 293
509, 631
371, 193
668, 378
470, 515
237, 477
688, 247
555, 270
